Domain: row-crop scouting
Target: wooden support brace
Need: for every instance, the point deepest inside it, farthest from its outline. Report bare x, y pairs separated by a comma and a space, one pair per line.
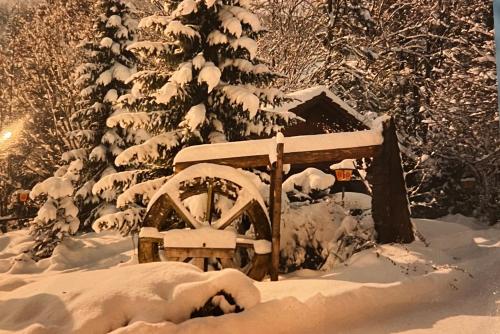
275, 204
390, 209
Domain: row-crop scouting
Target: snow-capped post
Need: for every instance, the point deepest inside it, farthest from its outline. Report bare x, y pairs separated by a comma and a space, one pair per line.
390, 207
275, 204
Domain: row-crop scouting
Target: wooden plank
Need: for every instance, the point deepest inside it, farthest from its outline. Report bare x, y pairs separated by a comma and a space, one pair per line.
311, 157
221, 253
390, 202
308, 157
276, 213
238, 162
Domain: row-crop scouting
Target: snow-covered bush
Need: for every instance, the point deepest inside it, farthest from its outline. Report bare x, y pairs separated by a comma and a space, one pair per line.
316, 235
310, 183
58, 216
201, 83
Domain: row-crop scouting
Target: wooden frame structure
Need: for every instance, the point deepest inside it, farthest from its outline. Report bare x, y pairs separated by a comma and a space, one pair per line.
389, 202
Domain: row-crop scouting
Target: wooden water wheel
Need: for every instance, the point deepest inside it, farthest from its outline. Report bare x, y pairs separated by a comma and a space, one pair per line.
232, 202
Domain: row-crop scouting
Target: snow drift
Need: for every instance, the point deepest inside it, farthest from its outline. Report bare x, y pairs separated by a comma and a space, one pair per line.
92, 285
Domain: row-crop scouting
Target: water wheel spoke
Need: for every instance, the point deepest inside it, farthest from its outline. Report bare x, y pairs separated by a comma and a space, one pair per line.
235, 212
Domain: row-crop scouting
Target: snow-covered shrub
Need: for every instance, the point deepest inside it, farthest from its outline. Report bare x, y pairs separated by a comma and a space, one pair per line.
58, 216
311, 183
316, 235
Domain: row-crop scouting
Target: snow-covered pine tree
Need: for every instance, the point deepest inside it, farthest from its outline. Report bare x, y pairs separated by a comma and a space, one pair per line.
205, 85
108, 65
58, 216
103, 79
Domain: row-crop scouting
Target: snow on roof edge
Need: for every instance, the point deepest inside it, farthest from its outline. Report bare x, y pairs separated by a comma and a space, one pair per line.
301, 96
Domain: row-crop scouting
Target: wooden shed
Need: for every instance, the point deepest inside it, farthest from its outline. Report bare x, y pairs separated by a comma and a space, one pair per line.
322, 112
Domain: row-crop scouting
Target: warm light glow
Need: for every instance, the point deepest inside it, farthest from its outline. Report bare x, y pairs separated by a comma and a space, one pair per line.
10, 136
6, 135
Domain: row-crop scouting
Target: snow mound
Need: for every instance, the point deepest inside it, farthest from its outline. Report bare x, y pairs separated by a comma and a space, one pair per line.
106, 300
449, 286
309, 180
96, 251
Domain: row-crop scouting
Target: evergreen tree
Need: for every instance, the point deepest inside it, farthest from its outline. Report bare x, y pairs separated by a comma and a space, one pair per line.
102, 77
206, 86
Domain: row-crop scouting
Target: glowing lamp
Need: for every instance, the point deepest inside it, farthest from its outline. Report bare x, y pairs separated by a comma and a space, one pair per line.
23, 197
6, 135
343, 174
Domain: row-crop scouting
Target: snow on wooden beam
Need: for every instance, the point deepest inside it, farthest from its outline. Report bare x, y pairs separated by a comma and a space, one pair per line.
258, 153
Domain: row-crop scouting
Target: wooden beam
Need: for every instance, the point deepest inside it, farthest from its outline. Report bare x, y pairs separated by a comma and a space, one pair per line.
185, 252
308, 157
276, 213
311, 157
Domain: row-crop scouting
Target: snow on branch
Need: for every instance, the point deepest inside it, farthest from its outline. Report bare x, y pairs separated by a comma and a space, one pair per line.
115, 179
183, 74
124, 221
149, 150
195, 117
176, 28
230, 23
55, 187
216, 38
166, 93
117, 72
133, 120
243, 96
154, 20
209, 74
245, 17
150, 48
245, 43
76, 154
142, 192
186, 7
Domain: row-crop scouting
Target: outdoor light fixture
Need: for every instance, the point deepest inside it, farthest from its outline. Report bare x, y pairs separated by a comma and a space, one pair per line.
343, 174
6, 135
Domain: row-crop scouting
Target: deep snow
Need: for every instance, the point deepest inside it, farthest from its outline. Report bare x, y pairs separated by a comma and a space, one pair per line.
92, 285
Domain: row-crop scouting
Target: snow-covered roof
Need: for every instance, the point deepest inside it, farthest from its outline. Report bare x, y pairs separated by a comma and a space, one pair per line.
265, 147
302, 96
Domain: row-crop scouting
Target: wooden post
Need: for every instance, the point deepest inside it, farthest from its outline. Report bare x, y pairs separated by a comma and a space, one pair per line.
210, 202
276, 183
390, 202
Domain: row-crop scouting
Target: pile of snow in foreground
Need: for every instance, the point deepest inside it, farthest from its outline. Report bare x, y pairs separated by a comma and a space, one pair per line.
104, 300
449, 287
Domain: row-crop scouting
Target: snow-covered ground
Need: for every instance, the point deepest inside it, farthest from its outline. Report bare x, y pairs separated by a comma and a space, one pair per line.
92, 284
